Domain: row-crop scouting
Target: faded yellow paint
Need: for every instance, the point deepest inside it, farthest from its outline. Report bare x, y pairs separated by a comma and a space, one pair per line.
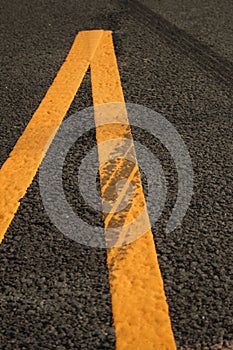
139, 306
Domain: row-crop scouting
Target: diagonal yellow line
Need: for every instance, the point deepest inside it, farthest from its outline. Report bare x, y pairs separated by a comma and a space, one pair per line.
140, 310
20, 168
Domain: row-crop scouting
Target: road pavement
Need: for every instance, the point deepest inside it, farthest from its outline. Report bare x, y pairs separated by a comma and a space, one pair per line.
54, 291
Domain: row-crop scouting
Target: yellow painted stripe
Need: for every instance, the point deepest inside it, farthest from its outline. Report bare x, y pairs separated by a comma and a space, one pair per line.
139, 305
19, 169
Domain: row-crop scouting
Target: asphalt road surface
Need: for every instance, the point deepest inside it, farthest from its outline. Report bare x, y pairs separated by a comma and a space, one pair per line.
54, 291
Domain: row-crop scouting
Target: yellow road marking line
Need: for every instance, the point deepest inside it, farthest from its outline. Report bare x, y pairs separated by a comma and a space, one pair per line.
20, 168
139, 305
140, 310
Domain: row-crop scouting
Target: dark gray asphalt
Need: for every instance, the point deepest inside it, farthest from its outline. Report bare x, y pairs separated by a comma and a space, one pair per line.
210, 22
55, 292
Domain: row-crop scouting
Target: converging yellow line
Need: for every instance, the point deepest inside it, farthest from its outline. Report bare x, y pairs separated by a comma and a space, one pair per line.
140, 310
139, 305
20, 168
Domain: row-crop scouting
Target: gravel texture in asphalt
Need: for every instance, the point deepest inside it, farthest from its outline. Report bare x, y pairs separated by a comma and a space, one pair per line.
54, 291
